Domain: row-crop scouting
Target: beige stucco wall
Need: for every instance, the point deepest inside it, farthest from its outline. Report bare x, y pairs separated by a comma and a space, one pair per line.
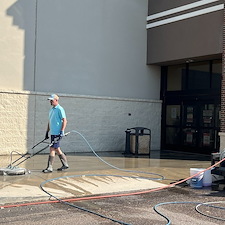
103, 121
93, 47
17, 29
16, 131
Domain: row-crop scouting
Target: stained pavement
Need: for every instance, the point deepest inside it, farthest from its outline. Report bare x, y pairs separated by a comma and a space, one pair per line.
89, 176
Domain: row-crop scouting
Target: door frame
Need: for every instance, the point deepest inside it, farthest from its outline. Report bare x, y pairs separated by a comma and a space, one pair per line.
181, 91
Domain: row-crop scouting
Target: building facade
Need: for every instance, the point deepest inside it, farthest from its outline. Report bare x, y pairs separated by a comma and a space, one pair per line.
92, 53
113, 71
185, 38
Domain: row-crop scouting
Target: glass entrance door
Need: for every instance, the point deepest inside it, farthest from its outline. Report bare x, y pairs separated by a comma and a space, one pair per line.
200, 126
191, 96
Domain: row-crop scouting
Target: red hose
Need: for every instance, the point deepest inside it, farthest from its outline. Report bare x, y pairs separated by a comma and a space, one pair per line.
114, 195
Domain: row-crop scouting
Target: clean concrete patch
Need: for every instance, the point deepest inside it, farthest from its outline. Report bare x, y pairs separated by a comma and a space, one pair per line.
68, 187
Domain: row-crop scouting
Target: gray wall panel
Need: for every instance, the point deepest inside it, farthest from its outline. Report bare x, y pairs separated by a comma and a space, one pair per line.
195, 37
95, 47
161, 5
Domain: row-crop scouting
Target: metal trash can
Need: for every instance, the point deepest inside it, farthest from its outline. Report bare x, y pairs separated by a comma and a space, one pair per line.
138, 141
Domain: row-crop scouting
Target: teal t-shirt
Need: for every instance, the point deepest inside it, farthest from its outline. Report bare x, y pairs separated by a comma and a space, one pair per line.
56, 114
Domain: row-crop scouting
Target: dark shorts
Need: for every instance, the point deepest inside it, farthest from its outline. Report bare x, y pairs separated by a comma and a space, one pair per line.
56, 141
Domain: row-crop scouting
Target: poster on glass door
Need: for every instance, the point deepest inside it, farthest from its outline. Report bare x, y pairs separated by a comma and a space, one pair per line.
190, 116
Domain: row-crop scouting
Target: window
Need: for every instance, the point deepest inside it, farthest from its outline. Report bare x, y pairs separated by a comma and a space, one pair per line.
174, 77
198, 76
195, 76
216, 74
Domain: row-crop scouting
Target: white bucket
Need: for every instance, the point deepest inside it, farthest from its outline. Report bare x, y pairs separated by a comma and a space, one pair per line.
202, 179
207, 178
197, 181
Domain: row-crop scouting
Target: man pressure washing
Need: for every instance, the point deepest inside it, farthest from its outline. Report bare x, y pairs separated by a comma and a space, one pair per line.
56, 125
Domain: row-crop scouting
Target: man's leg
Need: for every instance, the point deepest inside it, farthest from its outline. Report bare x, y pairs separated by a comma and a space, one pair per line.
51, 158
63, 160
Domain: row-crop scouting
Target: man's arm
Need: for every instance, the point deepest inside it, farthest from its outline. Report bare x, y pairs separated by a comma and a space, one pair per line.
48, 128
64, 123
46, 134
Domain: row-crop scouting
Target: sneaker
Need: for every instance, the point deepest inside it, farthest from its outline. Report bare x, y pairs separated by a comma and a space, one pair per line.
47, 171
63, 168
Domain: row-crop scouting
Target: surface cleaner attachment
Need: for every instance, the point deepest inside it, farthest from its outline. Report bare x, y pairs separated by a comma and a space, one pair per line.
13, 171
12, 168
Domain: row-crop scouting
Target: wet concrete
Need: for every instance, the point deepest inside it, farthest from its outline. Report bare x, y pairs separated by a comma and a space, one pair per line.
90, 176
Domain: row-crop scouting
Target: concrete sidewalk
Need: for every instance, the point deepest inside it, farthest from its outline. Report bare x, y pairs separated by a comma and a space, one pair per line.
90, 176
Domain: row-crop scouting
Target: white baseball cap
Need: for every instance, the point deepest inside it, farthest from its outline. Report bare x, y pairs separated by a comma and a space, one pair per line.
53, 96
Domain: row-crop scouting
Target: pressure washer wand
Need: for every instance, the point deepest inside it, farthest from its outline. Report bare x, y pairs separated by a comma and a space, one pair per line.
26, 158
39, 143
46, 139
24, 155
49, 145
